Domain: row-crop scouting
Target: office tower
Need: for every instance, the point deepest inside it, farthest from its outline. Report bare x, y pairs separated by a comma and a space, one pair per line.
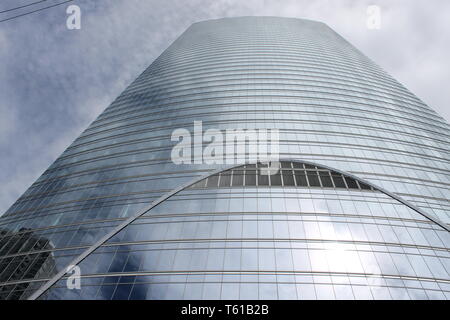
357, 208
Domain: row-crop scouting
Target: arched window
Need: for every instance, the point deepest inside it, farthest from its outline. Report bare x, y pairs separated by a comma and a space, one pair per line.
285, 174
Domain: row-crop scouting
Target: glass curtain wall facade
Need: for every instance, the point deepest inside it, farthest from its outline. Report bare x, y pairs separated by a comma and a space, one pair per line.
359, 209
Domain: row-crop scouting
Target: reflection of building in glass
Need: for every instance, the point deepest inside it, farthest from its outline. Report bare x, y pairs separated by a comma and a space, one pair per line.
358, 209
17, 265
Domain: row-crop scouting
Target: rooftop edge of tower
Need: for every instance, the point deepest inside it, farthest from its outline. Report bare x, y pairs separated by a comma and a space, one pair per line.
259, 18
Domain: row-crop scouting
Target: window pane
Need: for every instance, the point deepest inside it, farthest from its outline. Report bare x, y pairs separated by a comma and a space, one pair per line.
213, 181
338, 181
326, 179
275, 179
364, 186
238, 178
313, 179
297, 165
285, 165
225, 179
250, 177
289, 175
263, 180
200, 184
300, 177
288, 178
351, 183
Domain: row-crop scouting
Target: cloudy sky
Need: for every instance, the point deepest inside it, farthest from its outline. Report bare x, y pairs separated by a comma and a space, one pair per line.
55, 81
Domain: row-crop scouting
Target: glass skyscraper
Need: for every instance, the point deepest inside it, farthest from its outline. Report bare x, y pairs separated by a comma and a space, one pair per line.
358, 208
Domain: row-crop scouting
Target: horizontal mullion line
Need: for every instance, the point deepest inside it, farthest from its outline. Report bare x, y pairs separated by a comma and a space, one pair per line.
310, 81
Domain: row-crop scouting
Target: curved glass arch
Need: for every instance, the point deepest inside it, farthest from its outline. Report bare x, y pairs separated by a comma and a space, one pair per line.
338, 180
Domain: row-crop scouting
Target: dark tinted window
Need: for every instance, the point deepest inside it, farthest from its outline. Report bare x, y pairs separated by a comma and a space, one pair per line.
338, 181
263, 180
285, 165
213, 181
300, 177
250, 177
326, 179
288, 178
225, 179
297, 165
313, 179
290, 174
275, 179
238, 178
364, 186
200, 184
351, 183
